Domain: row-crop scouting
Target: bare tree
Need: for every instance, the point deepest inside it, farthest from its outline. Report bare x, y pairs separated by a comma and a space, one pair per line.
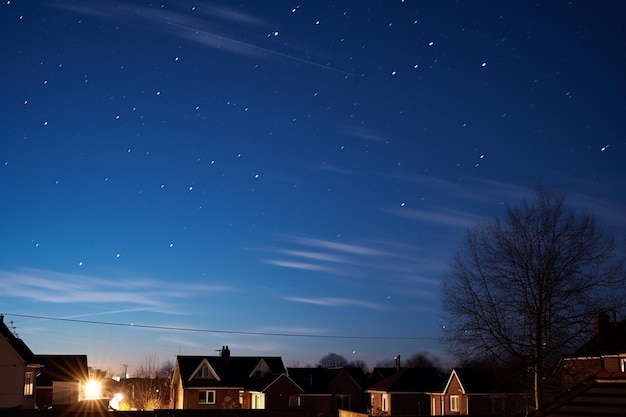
333, 360
166, 370
358, 364
526, 287
425, 360
149, 368
149, 387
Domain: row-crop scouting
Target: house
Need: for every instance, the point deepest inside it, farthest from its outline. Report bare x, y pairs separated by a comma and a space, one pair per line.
62, 380
481, 391
18, 368
405, 392
602, 394
225, 381
327, 390
605, 351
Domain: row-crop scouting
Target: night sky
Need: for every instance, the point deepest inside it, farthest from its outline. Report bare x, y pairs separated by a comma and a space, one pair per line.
291, 178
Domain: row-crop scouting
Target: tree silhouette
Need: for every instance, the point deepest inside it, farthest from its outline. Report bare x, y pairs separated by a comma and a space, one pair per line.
526, 287
332, 360
359, 364
424, 359
149, 388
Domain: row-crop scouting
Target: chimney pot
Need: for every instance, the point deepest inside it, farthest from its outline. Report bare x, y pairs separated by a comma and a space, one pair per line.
225, 355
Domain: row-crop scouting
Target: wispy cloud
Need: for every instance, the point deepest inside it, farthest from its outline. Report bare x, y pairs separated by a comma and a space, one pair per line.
333, 168
340, 247
366, 263
442, 216
59, 287
301, 265
221, 27
363, 133
338, 302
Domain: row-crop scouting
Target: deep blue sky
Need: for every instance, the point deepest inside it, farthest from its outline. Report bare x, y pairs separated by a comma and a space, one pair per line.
304, 168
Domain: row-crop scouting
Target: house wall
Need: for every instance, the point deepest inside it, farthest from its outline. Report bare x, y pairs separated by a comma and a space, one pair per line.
65, 393
257, 401
318, 404
344, 385
612, 364
44, 397
190, 399
455, 389
576, 370
409, 404
480, 405
436, 404
277, 395
376, 403
177, 393
12, 372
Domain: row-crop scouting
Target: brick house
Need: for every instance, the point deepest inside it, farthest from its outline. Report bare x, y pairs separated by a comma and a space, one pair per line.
405, 392
481, 391
232, 382
327, 390
605, 351
603, 394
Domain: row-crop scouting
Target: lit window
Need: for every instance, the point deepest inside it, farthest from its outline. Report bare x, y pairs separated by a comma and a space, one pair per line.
622, 364
454, 403
385, 404
28, 384
206, 397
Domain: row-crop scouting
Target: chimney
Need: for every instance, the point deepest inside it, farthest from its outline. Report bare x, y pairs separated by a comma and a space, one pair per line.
225, 355
601, 324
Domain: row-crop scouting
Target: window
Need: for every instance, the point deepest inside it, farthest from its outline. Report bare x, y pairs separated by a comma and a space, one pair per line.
385, 404
206, 397
342, 402
454, 403
622, 364
29, 384
203, 372
294, 400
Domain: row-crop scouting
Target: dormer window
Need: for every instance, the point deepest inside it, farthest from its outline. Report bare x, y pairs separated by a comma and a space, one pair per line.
203, 372
260, 370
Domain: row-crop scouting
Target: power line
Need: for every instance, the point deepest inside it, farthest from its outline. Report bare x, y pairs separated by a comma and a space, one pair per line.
241, 332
